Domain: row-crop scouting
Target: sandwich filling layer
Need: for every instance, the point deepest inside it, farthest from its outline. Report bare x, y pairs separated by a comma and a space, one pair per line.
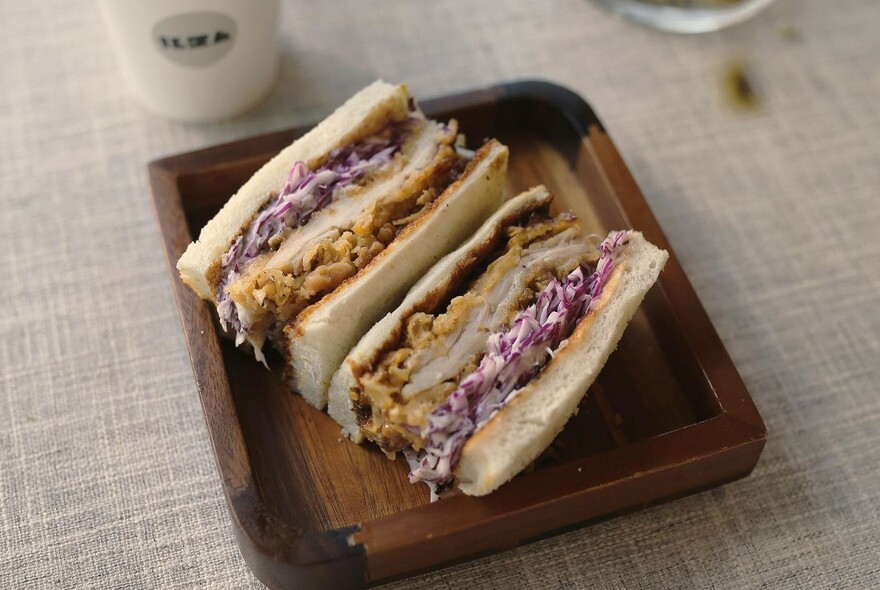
514, 357
328, 223
450, 373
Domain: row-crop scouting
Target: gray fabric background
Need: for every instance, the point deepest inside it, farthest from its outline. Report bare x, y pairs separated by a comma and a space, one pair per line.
106, 476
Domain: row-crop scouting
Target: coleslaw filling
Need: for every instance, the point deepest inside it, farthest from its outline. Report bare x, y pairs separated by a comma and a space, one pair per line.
305, 192
513, 357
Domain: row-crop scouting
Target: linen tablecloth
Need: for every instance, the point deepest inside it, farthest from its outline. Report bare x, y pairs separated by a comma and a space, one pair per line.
106, 475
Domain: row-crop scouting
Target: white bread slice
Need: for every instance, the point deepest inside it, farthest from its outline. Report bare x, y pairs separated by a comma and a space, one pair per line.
318, 340
439, 279
530, 421
364, 114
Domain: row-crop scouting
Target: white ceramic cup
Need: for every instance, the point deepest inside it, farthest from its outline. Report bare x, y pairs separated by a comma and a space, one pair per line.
196, 60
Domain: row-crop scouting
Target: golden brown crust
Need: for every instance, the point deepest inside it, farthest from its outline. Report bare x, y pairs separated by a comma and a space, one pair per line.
213, 274
463, 269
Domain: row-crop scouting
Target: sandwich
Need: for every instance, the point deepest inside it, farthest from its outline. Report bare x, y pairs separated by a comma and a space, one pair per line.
334, 212
489, 355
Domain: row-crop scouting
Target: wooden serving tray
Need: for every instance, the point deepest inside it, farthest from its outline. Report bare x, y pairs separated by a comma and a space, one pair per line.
668, 416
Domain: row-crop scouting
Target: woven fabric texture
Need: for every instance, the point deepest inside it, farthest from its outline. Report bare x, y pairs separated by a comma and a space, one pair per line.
106, 475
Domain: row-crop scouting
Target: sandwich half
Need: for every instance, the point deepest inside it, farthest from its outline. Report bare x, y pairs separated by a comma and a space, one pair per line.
489, 355
318, 214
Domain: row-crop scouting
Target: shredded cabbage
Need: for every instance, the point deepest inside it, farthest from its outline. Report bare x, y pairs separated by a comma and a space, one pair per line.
305, 192
513, 357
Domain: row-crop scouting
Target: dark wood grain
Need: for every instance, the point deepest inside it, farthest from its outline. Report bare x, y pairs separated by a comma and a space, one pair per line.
668, 415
